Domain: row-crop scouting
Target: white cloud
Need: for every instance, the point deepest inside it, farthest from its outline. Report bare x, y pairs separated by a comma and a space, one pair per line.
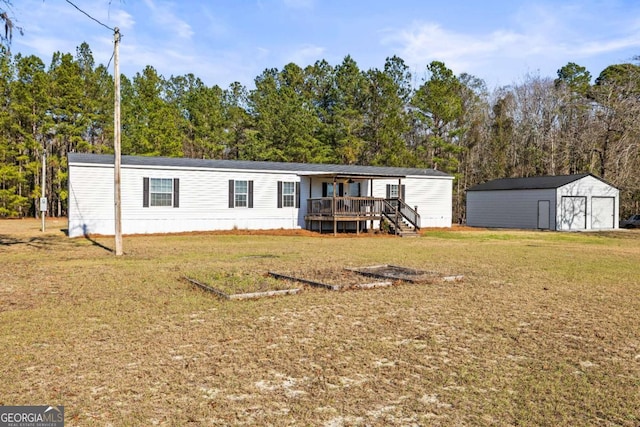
122, 20
426, 42
305, 55
162, 14
42, 47
606, 46
543, 37
52, 26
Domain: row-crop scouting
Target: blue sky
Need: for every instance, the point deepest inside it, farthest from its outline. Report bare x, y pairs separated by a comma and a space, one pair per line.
222, 41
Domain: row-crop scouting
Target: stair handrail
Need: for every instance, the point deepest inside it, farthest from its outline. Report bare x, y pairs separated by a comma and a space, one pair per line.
390, 211
393, 209
410, 214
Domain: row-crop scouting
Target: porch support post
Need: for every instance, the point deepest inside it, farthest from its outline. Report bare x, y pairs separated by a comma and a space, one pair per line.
309, 204
373, 203
333, 208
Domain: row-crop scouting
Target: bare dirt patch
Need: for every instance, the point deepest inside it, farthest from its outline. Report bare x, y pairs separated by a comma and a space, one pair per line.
412, 275
249, 294
238, 282
332, 279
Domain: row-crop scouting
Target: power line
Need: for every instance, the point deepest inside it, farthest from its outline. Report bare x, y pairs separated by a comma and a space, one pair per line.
91, 17
109, 63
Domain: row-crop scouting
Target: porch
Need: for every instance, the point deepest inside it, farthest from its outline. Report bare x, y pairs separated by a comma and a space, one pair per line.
344, 211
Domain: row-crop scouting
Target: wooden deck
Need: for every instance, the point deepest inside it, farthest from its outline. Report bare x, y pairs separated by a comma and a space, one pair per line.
343, 212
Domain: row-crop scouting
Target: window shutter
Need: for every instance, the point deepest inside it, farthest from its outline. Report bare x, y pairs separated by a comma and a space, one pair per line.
297, 194
145, 192
402, 187
324, 189
341, 189
279, 194
176, 192
250, 194
388, 191
231, 195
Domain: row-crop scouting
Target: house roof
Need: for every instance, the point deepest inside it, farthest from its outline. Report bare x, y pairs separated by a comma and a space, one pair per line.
530, 183
315, 169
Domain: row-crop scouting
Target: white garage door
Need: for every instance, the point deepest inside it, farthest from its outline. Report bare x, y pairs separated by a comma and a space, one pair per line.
602, 211
573, 215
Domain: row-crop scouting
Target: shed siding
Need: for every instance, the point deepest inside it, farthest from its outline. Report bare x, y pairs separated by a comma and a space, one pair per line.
571, 206
588, 187
508, 208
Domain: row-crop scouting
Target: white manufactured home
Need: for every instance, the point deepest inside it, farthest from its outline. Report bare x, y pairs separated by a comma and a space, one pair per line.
170, 195
567, 203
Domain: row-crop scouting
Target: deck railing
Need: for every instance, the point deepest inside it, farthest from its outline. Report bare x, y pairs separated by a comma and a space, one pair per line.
345, 206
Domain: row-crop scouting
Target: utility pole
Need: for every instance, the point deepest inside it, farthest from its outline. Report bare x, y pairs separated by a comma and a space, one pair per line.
43, 198
116, 142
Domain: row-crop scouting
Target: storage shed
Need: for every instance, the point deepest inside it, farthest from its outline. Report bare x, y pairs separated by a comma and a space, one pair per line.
169, 195
564, 202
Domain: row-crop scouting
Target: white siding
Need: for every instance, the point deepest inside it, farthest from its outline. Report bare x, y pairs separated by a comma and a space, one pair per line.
204, 200
507, 208
432, 196
588, 187
91, 205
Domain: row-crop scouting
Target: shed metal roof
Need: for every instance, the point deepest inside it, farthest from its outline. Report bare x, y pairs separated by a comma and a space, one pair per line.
530, 183
298, 168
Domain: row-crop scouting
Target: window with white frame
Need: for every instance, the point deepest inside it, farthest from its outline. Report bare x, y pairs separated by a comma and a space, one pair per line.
241, 194
288, 194
160, 192
393, 191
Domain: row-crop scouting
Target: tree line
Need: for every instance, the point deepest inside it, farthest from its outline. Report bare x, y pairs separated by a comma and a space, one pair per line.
321, 113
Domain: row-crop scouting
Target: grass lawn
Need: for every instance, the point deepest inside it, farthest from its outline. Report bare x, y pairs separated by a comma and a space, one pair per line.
543, 331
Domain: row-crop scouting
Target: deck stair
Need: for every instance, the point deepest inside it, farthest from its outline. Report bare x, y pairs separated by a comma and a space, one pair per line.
400, 219
403, 229
403, 220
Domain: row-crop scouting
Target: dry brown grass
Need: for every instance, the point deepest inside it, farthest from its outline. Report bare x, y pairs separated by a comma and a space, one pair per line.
543, 331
